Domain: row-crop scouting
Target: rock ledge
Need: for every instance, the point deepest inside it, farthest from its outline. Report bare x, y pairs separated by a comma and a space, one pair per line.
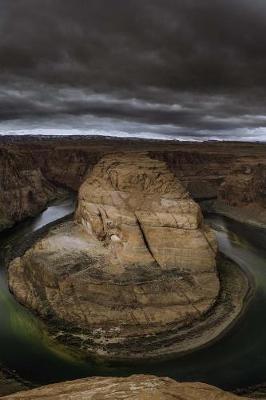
136, 387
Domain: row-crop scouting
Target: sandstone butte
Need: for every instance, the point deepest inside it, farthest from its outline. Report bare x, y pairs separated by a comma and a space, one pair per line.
135, 269
136, 387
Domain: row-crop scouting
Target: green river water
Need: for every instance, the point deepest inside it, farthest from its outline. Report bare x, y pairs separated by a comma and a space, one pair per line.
236, 360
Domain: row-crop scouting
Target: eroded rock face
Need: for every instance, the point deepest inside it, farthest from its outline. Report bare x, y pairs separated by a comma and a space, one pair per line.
24, 190
64, 161
245, 185
67, 167
135, 266
142, 215
136, 387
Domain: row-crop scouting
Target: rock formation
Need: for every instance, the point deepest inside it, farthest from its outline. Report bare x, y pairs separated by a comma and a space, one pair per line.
24, 190
242, 195
138, 258
136, 387
201, 167
136, 267
67, 167
246, 184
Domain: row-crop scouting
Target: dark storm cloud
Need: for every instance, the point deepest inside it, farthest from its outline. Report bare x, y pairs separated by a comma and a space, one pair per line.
195, 65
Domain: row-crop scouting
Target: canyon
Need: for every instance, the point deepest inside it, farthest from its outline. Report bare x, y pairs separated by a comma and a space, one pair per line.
136, 265
232, 176
24, 189
131, 204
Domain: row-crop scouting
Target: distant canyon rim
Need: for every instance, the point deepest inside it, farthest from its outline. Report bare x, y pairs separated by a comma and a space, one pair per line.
231, 176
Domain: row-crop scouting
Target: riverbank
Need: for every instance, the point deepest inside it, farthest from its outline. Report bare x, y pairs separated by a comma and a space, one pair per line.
58, 195
10, 382
252, 215
136, 268
254, 393
45, 366
237, 288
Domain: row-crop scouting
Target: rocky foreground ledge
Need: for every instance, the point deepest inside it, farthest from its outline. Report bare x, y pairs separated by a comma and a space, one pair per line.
136, 387
134, 274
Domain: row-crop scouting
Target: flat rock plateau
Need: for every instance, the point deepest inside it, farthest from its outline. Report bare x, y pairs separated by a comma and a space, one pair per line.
135, 269
136, 387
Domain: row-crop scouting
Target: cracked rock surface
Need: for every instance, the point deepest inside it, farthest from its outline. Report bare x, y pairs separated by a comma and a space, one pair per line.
136, 264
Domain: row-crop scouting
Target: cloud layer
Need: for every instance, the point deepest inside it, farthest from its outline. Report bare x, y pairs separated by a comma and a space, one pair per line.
183, 69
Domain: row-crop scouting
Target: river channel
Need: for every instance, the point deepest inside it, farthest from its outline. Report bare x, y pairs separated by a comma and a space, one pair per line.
236, 360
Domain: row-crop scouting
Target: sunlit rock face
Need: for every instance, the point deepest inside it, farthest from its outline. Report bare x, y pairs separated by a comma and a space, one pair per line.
142, 216
136, 387
136, 263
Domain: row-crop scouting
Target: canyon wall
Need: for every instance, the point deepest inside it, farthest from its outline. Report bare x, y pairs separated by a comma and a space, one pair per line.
24, 189
245, 185
31, 169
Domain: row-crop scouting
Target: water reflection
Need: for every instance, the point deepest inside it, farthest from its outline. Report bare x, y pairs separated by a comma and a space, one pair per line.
54, 212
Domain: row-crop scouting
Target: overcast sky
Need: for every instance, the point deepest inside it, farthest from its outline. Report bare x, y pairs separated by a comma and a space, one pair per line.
185, 69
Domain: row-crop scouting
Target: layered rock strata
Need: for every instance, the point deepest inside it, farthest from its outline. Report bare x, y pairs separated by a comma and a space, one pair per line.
201, 167
242, 195
244, 185
24, 190
137, 265
136, 387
